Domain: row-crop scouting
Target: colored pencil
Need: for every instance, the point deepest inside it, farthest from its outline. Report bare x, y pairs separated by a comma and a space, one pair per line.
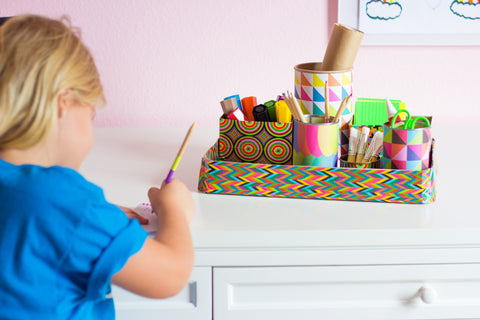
342, 107
179, 154
327, 115
294, 107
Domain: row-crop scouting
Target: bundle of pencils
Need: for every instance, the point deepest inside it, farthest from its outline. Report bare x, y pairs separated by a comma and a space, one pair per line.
294, 107
342, 107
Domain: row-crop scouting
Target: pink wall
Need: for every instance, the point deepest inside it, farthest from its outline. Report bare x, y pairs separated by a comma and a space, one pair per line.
167, 63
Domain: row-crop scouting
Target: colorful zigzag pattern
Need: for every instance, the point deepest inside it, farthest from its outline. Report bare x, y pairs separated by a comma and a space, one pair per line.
286, 181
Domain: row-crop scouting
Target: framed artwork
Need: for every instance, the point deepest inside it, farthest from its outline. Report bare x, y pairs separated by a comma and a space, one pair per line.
414, 22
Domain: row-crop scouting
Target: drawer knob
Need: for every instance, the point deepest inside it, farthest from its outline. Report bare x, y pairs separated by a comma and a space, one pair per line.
427, 294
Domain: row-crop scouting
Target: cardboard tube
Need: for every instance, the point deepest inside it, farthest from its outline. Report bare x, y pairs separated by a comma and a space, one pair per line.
342, 48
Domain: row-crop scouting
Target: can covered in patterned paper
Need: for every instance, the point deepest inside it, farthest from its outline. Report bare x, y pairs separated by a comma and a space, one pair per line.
310, 82
256, 141
310, 91
315, 143
406, 149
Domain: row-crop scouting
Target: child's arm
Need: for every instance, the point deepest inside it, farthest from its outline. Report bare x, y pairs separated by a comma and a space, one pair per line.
162, 267
133, 215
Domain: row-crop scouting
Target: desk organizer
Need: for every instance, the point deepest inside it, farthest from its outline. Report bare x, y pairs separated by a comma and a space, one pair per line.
256, 141
308, 182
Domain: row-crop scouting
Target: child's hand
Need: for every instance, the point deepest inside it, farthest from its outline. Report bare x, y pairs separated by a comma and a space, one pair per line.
172, 197
167, 259
133, 215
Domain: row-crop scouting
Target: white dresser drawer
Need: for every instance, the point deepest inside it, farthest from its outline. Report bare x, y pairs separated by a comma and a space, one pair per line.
348, 292
193, 302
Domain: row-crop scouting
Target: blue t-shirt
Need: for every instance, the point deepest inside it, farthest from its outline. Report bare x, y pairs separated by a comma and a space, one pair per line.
60, 244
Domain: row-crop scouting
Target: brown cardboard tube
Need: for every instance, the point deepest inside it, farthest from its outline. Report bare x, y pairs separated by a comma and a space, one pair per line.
342, 48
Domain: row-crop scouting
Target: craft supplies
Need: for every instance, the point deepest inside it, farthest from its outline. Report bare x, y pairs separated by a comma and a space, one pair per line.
315, 143
391, 111
362, 143
283, 112
407, 146
299, 159
409, 123
248, 103
237, 100
236, 114
327, 113
294, 107
255, 141
260, 113
342, 107
375, 112
374, 148
228, 106
272, 114
353, 144
310, 89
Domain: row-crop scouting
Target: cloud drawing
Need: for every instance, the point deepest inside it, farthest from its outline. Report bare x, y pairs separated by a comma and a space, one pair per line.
466, 10
380, 10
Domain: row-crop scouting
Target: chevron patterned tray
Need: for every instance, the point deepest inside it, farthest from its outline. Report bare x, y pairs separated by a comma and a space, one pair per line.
287, 181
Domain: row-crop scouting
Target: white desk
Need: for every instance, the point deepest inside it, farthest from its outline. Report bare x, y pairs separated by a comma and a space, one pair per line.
258, 257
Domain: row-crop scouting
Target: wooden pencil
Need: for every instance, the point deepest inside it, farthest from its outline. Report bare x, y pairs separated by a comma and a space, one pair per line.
179, 154
340, 110
299, 110
296, 107
327, 115
285, 98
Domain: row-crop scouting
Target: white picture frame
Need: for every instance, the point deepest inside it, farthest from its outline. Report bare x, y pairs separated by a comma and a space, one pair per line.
348, 14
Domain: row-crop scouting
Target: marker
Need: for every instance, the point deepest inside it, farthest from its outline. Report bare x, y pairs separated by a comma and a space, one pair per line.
248, 103
228, 105
272, 114
260, 113
237, 99
237, 114
179, 154
283, 112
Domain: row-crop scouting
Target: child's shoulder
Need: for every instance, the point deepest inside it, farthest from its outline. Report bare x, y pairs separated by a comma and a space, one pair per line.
40, 181
68, 180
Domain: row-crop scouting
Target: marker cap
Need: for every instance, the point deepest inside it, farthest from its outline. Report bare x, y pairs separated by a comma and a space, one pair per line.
260, 113
248, 103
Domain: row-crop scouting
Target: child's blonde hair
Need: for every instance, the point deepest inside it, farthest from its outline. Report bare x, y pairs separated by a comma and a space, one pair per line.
40, 59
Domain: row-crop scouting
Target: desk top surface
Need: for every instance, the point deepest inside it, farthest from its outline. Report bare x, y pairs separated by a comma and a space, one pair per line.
125, 162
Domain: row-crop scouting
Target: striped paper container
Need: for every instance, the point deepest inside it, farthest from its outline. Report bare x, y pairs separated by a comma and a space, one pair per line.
288, 181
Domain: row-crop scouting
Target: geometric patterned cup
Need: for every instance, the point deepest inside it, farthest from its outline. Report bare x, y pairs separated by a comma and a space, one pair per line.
310, 82
406, 149
315, 143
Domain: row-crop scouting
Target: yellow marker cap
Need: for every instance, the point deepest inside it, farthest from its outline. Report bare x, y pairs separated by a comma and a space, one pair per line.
283, 112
